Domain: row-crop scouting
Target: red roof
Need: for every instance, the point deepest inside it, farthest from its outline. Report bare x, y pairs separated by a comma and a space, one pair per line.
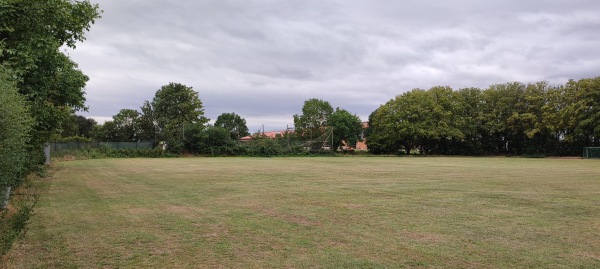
270, 134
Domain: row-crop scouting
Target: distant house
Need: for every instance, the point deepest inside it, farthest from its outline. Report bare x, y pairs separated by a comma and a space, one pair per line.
363, 145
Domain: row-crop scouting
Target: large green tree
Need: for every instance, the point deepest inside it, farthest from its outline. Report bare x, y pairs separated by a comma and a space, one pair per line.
77, 125
582, 114
127, 125
124, 127
107, 132
399, 124
312, 123
443, 120
416, 119
468, 119
31, 35
174, 105
147, 123
233, 123
346, 128
511, 118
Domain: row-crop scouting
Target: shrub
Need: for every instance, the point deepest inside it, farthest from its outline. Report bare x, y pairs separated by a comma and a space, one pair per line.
106, 152
15, 124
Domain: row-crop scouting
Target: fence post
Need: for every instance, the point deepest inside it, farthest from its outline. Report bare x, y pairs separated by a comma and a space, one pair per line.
47, 152
5, 197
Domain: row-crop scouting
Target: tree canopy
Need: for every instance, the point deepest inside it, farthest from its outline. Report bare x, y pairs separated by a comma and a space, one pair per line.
313, 120
175, 104
346, 128
233, 123
511, 118
31, 35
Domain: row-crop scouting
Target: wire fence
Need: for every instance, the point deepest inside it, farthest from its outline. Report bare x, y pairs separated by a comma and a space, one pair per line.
591, 152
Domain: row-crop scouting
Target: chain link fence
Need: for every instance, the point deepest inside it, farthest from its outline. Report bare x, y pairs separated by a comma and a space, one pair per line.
591, 152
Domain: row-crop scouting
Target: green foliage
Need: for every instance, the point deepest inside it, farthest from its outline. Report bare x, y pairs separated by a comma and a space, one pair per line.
40, 87
13, 222
75, 128
346, 127
174, 105
107, 152
313, 120
235, 124
194, 134
582, 115
532, 119
264, 148
106, 132
165, 118
127, 123
15, 124
217, 141
32, 33
147, 123
211, 140
414, 119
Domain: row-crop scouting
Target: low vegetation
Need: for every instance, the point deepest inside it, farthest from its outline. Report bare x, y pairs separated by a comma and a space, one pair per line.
375, 212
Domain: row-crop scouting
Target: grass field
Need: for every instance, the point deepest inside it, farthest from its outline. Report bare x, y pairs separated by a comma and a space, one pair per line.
345, 212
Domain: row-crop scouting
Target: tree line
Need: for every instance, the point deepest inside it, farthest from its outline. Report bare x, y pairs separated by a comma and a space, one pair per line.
535, 119
176, 116
504, 119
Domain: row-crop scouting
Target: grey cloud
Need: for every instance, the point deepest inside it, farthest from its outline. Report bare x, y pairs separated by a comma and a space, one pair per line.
263, 58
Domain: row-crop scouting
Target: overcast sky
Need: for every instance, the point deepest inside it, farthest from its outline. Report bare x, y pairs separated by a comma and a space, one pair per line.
263, 58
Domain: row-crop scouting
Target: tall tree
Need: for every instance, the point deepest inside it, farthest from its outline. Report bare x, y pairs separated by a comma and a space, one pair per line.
233, 123
346, 128
443, 120
31, 35
416, 119
107, 132
505, 118
174, 105
86, 126
394, 125
148, 124
77, 125
469, 121
127, 123
313, 120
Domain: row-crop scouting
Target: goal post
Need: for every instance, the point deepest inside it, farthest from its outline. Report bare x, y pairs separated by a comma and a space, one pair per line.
324, 142
591, 152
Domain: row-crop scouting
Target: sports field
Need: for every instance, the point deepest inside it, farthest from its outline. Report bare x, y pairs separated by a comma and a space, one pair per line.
342, 212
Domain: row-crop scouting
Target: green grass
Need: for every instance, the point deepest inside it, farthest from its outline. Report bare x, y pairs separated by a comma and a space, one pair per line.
345, 212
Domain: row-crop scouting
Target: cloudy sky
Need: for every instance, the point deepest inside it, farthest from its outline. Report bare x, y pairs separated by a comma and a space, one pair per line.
263, 58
